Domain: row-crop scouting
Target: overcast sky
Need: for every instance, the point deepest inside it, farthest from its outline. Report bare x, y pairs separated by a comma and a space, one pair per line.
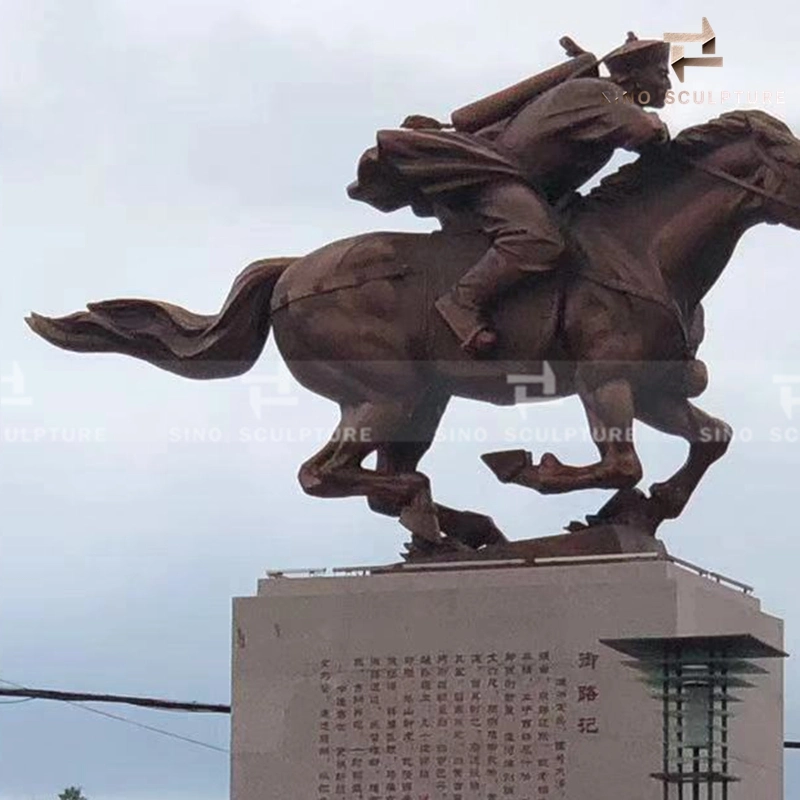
155, 148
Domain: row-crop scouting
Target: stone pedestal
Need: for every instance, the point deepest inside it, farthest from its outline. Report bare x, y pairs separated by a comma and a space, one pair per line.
480, 684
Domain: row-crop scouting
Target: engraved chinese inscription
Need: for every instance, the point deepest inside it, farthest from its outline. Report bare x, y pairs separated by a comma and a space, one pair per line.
453, 726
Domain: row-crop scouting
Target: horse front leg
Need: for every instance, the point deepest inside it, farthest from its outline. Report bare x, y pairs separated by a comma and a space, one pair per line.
610, 410
708, 437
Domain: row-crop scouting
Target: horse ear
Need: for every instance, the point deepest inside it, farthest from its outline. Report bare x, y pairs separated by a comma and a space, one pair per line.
737, 120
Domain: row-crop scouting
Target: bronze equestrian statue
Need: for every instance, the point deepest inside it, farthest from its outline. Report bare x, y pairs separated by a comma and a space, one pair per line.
618, 323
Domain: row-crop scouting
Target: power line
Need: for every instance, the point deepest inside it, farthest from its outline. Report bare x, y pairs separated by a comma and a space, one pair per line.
76, 698
126, 720
142, 702
150, 728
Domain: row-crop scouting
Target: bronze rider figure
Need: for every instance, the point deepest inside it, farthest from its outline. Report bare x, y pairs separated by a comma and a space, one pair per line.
510, 159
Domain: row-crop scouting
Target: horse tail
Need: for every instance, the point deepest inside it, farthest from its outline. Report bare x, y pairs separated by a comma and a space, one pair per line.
191, 345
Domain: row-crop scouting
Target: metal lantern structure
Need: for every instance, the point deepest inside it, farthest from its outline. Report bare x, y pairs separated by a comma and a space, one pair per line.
697, 679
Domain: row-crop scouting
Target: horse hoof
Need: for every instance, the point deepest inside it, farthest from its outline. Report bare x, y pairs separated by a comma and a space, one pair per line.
507, 464
670, 500
420, 518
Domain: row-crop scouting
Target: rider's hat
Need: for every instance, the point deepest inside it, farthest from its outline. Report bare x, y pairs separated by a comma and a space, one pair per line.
636, 53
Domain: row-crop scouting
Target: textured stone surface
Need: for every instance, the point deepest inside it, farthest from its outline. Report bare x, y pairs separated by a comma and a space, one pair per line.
478, 684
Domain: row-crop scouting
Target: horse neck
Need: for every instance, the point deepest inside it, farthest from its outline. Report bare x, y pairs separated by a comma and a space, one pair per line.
696, 241
689, 226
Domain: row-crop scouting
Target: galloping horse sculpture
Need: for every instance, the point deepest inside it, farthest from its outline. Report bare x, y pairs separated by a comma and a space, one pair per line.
355, 323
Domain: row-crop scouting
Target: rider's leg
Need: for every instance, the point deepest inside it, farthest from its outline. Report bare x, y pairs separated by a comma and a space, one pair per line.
525, 238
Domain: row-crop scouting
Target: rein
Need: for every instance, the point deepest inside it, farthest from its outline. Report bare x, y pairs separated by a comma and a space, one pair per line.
750, 187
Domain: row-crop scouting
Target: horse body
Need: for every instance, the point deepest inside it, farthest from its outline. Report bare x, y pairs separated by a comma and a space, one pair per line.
384, 333
355, 322
616, 300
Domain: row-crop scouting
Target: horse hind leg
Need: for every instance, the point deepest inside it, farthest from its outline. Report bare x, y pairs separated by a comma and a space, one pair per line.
337, 471
403, 455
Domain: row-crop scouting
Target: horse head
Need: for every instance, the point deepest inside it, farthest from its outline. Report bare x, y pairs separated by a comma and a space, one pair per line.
754, 151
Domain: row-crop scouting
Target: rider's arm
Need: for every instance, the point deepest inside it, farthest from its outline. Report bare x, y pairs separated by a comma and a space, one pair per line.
601, 113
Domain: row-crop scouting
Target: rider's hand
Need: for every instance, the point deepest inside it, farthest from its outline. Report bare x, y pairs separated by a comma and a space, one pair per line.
662, 135
657, 136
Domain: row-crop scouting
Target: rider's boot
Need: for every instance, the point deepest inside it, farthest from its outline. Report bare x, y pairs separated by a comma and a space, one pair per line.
465, 306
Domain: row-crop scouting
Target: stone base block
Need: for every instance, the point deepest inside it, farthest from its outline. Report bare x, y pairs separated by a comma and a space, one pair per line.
480, 684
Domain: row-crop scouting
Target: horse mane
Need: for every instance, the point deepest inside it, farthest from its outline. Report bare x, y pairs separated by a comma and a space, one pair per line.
696, 142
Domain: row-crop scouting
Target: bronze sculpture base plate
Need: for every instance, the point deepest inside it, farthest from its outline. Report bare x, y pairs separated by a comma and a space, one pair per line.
597, 540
